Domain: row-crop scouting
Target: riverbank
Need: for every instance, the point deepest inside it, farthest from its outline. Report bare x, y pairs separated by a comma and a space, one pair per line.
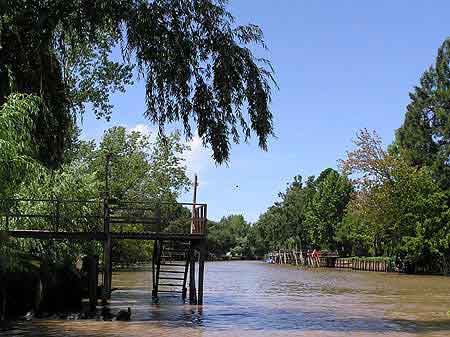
251, 298
332, 260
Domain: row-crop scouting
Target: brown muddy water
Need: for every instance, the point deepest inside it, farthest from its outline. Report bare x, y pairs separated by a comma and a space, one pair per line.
257, 299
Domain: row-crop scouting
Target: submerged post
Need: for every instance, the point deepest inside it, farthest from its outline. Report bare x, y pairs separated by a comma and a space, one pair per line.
201, 271
158, 252
92, 281
192, 290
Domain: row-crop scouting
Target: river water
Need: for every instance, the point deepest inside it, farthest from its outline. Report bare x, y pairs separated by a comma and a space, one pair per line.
246, 298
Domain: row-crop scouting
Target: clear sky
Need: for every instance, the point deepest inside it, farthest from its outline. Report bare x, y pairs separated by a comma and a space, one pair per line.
340, 65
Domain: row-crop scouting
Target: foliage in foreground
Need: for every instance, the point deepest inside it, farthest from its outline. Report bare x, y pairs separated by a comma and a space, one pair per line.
195, 60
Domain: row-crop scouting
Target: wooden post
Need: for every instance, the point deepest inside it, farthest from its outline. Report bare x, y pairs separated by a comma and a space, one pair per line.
2, 302
7, 215
158, 217
159, 248
205, 226
92, 282
192, 290
201, 271
107, 277
194, 201
153, 263
57, 216
186, 269
107, 273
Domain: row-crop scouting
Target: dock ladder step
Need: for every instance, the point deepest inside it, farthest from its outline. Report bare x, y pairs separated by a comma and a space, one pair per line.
170, 267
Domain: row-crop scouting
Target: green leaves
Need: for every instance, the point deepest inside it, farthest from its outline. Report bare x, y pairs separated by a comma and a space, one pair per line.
16, 149
231, 234
308, 214
325, 211
400, 209
142, 168
197, 65
424, 136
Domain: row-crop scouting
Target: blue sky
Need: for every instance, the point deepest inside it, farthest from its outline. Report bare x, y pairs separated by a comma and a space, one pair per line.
340, 65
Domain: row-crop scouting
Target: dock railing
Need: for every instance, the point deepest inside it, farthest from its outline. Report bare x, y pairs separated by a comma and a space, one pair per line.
98, 216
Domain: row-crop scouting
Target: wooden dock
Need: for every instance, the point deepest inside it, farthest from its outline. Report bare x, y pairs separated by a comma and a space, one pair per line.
106, 220
298, 257
330, 260
365, 264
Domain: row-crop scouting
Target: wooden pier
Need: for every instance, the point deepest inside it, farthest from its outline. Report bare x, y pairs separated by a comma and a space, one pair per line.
330, 260
108, 219
365, 264
298, 257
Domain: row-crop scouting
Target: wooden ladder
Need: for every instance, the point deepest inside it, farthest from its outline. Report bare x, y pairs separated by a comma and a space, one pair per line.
170, 267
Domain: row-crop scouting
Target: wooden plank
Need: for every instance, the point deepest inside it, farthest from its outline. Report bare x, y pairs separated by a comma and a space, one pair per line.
133, 221
192, 289
52, 235
201, 272
100, 236
157, 236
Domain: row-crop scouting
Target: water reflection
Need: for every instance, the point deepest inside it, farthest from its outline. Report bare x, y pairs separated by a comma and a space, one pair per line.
256, 299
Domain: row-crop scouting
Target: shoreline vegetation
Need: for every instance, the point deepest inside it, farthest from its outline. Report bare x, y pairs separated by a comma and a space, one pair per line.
391, 201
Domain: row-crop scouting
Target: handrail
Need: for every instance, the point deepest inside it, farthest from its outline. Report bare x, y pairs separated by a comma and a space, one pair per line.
99, 200
55, 212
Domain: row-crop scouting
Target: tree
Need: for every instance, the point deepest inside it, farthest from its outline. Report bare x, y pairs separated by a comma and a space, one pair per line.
230, 234
272, 225
142, 169
294, 203
401, 208
196, 63
326, 209
424, 137
16, 150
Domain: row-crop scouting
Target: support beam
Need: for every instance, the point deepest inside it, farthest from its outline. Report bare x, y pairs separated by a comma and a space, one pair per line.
107, 251
194, 201
155, 252
92, 281
107, 274
185, 275
201, 271
192, 290
107, 270
158, 251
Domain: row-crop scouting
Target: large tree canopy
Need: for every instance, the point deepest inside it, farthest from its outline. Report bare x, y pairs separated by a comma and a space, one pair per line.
196, 63
424, 137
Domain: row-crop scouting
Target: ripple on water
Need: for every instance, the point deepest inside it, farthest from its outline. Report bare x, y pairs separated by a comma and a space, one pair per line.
256, 299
